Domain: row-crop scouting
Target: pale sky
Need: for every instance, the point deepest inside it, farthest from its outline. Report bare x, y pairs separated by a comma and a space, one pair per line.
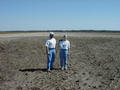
59, 14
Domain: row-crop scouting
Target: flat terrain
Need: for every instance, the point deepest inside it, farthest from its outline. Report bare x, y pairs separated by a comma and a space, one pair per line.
94, 62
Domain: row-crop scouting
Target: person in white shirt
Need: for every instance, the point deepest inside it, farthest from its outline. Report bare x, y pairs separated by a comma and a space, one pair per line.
50, 51
64, 45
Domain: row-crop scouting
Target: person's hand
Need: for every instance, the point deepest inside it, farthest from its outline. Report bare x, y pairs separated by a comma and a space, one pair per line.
48, 53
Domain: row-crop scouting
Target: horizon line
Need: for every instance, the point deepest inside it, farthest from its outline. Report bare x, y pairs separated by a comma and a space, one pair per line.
57, 30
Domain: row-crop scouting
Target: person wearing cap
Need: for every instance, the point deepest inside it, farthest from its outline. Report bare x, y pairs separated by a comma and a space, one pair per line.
64, 45
50, 51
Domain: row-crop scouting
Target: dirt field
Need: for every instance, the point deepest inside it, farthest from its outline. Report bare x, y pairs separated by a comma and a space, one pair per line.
94, 62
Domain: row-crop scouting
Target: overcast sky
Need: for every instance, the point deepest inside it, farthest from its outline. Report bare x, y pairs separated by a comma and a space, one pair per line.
59, 14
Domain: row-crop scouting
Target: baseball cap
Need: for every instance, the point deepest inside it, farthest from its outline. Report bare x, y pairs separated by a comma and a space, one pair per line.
51, 33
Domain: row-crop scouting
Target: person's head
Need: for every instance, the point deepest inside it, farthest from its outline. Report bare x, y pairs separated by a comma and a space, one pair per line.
51, 34
65, 37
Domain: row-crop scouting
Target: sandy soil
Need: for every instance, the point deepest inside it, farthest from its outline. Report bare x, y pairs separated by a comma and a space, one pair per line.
94, 62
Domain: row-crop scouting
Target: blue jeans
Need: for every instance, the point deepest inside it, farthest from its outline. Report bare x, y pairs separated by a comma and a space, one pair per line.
63, 57
51, 59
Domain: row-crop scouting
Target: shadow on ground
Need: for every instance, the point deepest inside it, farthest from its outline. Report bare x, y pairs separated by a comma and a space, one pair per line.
36, 69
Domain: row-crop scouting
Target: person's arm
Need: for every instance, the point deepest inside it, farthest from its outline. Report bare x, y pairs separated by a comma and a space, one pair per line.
69, 48
47, 50
46, 46
59, 44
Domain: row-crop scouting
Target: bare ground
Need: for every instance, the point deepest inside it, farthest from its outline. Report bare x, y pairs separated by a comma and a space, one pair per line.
93, 63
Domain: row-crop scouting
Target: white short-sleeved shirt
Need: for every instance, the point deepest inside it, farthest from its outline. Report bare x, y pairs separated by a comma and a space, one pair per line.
51, 43
64, 44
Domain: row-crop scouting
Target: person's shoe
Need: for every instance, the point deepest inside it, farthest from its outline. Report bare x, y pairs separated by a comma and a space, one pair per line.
62, 68
48, 70
65, 67
52, 68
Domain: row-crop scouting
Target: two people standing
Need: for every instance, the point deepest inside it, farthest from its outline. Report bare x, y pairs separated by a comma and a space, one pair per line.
64, 45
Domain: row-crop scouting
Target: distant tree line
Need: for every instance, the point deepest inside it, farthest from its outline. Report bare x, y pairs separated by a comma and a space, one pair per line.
63, 31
